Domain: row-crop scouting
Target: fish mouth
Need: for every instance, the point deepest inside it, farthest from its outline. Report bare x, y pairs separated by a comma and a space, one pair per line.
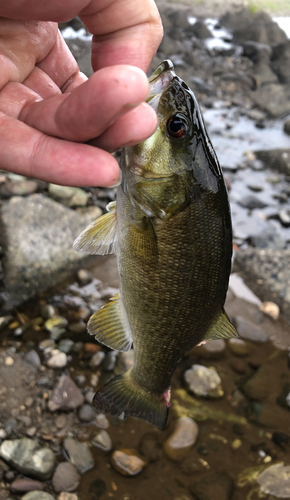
160, 81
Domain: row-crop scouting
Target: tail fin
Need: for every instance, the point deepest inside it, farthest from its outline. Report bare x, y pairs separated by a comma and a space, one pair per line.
123, 395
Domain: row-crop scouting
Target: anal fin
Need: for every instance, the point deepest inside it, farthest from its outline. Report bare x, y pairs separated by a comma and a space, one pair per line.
110, 326
100, 236
221, 328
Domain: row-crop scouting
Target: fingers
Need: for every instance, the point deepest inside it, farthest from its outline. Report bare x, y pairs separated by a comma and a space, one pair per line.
27, 151
92, 107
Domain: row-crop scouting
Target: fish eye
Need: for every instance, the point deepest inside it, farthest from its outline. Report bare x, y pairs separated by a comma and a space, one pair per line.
176, 127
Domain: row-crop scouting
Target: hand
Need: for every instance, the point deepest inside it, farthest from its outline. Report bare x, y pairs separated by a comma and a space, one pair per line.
48, 108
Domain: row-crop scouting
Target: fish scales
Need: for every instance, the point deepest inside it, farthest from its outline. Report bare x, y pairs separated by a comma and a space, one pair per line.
171, 230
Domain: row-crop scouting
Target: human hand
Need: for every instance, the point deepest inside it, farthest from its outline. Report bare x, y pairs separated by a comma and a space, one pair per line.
48, 108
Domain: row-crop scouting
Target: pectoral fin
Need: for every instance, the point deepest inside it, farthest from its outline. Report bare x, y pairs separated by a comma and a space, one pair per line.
110, 326
221, 328
100, 237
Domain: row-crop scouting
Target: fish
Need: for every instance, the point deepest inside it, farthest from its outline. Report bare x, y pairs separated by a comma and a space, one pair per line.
170, 227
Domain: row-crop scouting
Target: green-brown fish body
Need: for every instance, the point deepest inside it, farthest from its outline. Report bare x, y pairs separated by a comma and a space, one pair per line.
171, 230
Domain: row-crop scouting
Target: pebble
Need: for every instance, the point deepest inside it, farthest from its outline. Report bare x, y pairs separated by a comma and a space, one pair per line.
236, 444
65, 396
3, 434
65, 477
18, 188
126, 463
70, 196
275, 480
249, 331
37, 495
87, 413
56, 326
238, 347
103, 441
61, 421
78, 327
57, 360
284, 218
80, 380
97, 359
270, 309
46, 345
238, 365
257, 387
84, 277
67, 496
251, 202
28, 457
32, 358
102, 422
5, 320
182, 439
79, 454
24, 484
203, 381
66, 345
47, 311
94, 380
9, 361
214, 349
89, 396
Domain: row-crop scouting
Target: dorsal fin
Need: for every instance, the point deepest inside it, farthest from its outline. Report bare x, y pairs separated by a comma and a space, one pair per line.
100, 237
221, 328
110, 325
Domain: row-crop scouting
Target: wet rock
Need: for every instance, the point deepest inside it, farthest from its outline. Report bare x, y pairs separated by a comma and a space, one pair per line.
249, 331
238, 365
281, 61
257, 387
28, 457
268, 273
84, 277
275, 480
57, 360
262, 74
40, 233
66, 345
97, 359
268, 238
32, 358
182, 439
103, 441
70, 196
214, 349
18, 188
251, 202
87, 413
287, 127
125, 361
284, 217
240, 289
56, 326
238, 347
127, 464
61, 421
275, 159
23, 485
65, 396
65, 477
37, 495
218, 485
200, 30
273, 98
101, 421
78, 454
204, 382
257, 51
67, 496
270, 309
78, 327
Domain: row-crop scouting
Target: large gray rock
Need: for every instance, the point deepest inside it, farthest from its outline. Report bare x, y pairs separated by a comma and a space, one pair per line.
40, 234
267, 272
273, 98
78, 454
276, 159
65, 396
28, 457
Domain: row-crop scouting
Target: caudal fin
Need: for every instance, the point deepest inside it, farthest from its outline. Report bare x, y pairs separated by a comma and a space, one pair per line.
124, 395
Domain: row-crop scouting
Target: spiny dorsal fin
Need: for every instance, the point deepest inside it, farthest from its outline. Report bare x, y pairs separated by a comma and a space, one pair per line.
221, 328
110, 326
100, 237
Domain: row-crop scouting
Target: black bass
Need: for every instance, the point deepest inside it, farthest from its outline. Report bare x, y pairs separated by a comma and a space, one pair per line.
171, 230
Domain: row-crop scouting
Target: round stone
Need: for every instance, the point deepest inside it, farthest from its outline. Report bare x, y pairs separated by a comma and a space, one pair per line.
57, 360
9, 361
127, 464
270, 309
103, 441
182, 439
238, 347
87, 413
204, 382
65, 477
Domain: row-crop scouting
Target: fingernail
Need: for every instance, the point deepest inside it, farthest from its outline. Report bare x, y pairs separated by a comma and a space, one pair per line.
118, 181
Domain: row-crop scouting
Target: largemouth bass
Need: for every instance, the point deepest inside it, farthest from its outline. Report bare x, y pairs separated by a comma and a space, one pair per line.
171, 230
